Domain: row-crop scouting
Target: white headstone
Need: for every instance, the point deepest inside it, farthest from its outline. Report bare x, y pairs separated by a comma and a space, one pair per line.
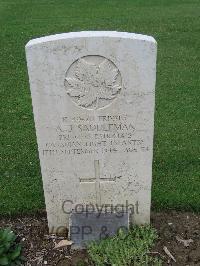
93, 101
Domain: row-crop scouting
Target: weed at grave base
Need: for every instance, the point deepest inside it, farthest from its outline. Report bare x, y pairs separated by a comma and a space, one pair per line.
132, 248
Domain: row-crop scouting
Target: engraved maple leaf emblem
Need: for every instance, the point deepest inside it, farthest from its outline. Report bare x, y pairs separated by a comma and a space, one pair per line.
92, 82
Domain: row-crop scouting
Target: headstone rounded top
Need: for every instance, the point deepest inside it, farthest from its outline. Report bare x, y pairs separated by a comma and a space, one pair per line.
90, 34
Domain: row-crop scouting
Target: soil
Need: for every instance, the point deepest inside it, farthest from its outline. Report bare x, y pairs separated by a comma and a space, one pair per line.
173, 229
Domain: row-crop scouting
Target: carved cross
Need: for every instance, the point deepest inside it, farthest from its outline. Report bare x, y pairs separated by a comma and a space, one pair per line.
97, 180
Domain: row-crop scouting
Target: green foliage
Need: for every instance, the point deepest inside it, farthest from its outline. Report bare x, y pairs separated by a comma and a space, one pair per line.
125, 249
81, 263
10, 251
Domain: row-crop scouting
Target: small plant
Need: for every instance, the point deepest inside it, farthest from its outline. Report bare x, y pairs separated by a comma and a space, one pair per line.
132, 248
10, 250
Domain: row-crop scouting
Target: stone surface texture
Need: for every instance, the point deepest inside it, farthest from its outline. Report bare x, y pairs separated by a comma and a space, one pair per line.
93, 101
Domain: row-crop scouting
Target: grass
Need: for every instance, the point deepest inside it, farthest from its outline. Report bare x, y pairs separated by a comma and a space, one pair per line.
175, 24
132, 248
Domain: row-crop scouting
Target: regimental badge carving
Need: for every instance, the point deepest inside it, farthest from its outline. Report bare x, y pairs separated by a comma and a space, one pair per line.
93, 82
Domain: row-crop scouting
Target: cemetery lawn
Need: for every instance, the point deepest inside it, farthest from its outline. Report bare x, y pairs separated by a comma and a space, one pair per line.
175, 26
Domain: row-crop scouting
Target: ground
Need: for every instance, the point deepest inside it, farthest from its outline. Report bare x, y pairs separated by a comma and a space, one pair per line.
171, 226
